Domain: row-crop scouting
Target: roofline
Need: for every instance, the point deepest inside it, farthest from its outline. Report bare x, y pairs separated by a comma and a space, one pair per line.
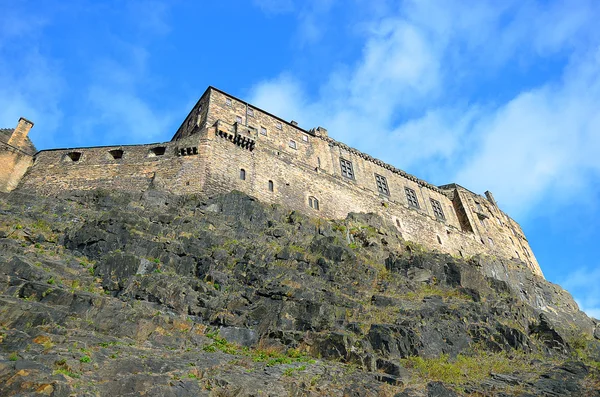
99, 147
210, 87
327, 139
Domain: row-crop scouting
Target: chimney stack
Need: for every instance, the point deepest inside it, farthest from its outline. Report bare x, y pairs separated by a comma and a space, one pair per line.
490, 198
321, 131
17, 139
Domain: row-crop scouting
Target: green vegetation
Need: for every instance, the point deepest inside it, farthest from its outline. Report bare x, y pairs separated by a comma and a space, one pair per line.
432, 290
66, 372
85, 359
13, 357
269, 356
469, 368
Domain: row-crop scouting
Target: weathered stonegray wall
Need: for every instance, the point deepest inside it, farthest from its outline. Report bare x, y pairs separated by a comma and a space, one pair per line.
208, 153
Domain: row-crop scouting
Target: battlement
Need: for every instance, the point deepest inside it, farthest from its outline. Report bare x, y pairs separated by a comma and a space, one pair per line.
227, 144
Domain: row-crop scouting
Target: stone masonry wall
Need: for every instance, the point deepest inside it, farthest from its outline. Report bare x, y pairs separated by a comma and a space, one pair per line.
302, 165
13, 165
139, 168
285, 164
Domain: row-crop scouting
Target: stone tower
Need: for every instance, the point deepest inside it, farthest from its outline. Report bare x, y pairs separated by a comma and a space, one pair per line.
16, 154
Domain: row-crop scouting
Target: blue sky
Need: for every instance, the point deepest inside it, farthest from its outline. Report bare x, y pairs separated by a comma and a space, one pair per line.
501, 96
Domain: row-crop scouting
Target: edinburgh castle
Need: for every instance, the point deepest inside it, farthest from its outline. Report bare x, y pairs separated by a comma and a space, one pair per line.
227, 144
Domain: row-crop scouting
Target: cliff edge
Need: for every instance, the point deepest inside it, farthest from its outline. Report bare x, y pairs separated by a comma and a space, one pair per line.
106, 294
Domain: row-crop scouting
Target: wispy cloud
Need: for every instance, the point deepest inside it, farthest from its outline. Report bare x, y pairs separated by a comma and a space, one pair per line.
30, 83
405, 90
585, 283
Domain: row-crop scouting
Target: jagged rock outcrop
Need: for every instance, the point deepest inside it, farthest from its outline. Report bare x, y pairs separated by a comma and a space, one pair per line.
113, 294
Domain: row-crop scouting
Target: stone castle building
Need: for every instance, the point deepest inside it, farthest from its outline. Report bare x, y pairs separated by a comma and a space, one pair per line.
227, 144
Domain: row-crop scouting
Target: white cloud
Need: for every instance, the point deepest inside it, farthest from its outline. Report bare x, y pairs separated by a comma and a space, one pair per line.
585, 284
401, 101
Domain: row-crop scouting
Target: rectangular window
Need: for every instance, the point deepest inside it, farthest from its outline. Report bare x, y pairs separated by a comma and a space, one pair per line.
263, 131
292, 144
347, 170
411, 196
304, 138
278, 125
250, 112
437, 209
382, 185
228, 101
238, 119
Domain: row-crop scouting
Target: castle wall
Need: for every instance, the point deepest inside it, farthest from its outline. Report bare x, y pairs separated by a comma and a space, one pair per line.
139, 168
496, 229
285, 164
13, 165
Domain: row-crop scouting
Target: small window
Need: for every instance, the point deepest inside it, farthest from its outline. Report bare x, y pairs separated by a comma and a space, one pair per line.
482, 221
243, 174
157, 151
271, 186
491, 241
347, 169
73, 156
228, 101
263, 131
116, 154
499, 221
411, 196
479, 208
304, 138
518, 256
382, 185
437, 209
313, 203
398, 223
439, 239
292, 144
250, 112
279, 125
238, 119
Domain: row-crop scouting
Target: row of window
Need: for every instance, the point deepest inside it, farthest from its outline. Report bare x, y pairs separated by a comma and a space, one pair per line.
313, 202
117, 154
382, 187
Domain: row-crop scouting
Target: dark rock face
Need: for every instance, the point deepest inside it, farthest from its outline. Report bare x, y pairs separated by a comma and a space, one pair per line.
110, 294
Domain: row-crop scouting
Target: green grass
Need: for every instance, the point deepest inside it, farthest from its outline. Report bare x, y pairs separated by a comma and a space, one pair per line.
85, 359
469, 368
13, 357
269, 356
66, 372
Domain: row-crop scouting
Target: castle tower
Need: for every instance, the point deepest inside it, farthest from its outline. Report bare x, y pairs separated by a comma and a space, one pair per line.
19, 135
16, 154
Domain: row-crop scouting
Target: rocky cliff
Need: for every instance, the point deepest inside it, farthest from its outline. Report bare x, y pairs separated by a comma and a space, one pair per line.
105, 294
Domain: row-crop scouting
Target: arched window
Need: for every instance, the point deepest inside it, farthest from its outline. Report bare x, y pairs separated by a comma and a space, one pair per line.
271, 186
313, 203
116, 154
242, 174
